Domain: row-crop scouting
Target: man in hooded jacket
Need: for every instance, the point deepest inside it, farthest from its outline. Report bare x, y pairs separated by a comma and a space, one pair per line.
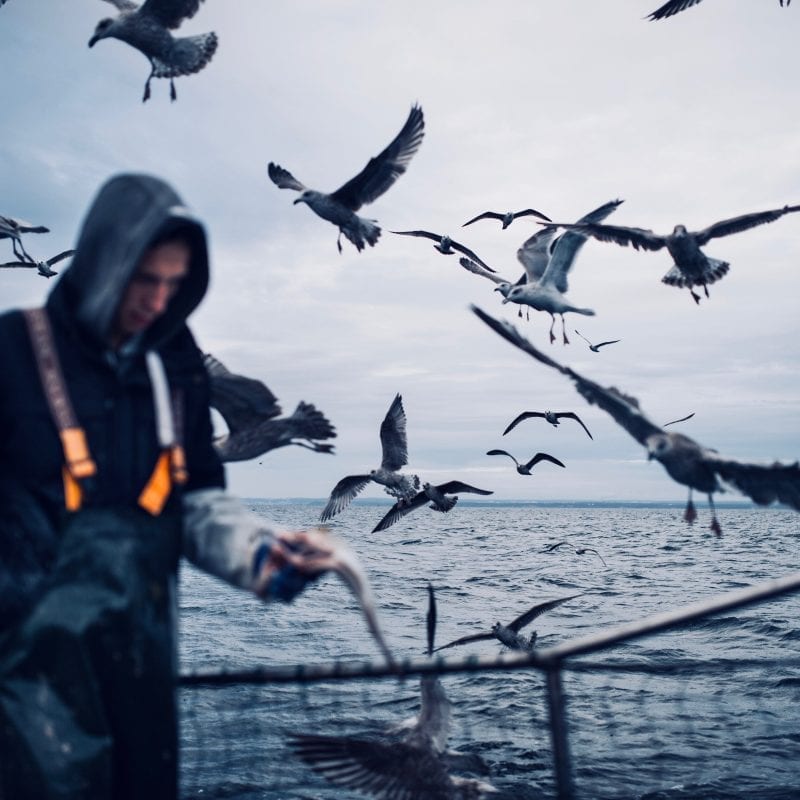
88, 557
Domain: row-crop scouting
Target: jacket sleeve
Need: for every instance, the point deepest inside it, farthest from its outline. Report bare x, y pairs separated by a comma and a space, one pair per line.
225, 539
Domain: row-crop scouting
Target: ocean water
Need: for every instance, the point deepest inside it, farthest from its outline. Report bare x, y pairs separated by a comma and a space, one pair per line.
711, 711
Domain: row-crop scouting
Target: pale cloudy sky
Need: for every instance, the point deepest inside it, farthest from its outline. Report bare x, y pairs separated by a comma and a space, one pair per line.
545, 103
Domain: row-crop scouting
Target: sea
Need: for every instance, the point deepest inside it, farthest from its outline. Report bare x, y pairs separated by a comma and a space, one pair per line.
710, 711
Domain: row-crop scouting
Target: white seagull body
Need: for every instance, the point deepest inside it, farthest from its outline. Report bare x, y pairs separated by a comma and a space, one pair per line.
251, 412
547, 263
147, 28
686, 461
395, 455
691, 266
377, 176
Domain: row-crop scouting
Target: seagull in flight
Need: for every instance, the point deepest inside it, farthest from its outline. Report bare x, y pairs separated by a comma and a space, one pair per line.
250, 411
44, 267
595, 348
446, 246
525, 469
691, 266
553, 417
674, 6
507, 218
682, 419
409, 762
509, 635
579, 550
686, 461
395, 455
436, 495
11, 228
548, 261
146, 27
377, 176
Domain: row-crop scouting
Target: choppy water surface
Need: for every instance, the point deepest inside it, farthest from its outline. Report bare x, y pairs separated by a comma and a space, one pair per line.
716, 726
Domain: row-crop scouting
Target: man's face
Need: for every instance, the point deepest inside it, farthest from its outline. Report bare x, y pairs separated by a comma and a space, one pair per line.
153, 285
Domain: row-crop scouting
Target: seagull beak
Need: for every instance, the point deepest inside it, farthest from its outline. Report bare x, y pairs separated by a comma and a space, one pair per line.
93, 41
299, 200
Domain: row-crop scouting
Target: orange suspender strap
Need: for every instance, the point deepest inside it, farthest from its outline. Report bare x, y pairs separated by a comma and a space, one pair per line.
78, 460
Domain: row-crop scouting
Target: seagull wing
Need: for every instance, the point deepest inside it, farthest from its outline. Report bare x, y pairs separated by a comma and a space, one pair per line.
543, 457
475, 637
485, 215
399, 510
342, 495
573, 415
582, 337
383, 170
470, 254
742, 223
671, 8
762, 483
682, 419
454, 487
568, 246
551, 547
523, 619
531, 212
502, 453
123, 5
638, 238
535, 252
524, 415
170, 13
624, 409
284, 179
471, 266
436, 237
393, 436
60, 257
243, 402
611, 341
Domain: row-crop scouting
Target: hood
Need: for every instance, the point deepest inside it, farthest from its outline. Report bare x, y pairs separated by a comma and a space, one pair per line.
129, 212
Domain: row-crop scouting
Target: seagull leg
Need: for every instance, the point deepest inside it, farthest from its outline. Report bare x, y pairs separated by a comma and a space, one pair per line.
695, 296
552, 323
339, 240
705, 289
564, 330
173, 95
715, 526
690, 514
146, 95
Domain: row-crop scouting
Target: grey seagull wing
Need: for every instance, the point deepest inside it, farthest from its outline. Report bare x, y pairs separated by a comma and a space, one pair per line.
393, 436
283, 179
484, 215
573, 415
385, 168
60, 257
742, 223
502, 453
671, 8
343, 494
475, 637
170, 13
454, 487
534, 253
762, 483
477, 269
638, 238
399, 510
523, 619
123, 5
543, 457
624, 409
524, 415
682, 419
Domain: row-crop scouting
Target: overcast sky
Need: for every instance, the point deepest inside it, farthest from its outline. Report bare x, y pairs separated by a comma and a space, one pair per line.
557, 105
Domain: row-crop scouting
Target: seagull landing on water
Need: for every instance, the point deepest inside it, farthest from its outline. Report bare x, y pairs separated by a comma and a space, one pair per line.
595, 348
685, 461
509, 635
548, 261
395, 455
525, 469
553, 417
147, 28
409, 762
674, 6
507, 218
44, 267
377, 176
250, 409
579, 550
436, 495
446, 246
11, 228
692, 267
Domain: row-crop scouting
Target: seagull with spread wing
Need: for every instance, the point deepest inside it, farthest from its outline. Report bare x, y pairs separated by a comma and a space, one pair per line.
509, 216
548, 261
579, 550
446, 246
410, 762
147, 28
435, 495
250, 411
692, 267
595, 348
11, 228
395, 455
45, 268
377, 176
553, 417
674, 6
509, 635
525, 469
686, 461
